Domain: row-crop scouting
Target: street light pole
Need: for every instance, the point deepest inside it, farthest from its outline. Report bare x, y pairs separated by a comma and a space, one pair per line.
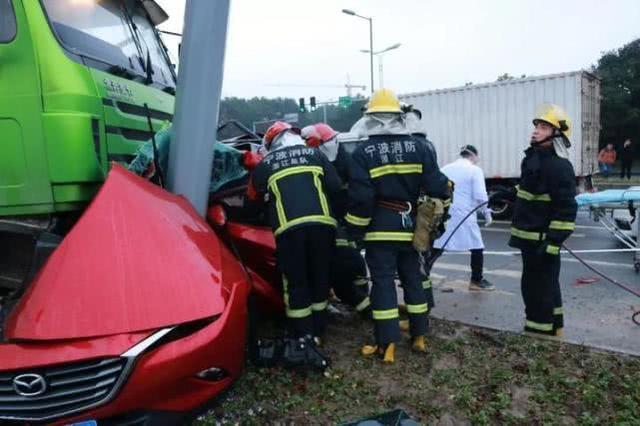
379, 55
352, 13
371, 50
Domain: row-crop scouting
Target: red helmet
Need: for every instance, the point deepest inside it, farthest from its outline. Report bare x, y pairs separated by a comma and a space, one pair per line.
276, 128
317, 134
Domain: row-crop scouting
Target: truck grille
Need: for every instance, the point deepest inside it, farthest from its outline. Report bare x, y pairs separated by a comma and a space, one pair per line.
69, 388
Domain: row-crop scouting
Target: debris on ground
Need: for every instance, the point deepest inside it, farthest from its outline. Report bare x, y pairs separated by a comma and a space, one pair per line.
469, 376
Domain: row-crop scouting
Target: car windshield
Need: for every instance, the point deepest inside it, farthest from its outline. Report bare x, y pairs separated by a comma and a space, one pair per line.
102, 30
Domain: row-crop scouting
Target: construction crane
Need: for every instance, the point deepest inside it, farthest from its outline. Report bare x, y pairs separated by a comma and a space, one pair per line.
347, 86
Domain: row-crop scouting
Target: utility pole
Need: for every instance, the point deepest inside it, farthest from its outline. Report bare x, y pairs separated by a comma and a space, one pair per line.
198, 100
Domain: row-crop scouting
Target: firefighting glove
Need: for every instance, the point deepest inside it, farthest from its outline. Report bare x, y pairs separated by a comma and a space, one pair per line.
356, 234
488, 219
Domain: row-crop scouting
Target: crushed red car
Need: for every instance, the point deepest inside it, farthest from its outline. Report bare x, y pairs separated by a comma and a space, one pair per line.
139, 316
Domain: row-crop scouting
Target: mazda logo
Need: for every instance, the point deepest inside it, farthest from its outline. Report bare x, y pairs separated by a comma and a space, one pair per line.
29, 385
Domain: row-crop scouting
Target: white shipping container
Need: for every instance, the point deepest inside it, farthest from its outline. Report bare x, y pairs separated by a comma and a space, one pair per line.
496, 118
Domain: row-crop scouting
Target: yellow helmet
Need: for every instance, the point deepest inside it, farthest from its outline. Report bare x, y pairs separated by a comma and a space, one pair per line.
384, 100
556, 116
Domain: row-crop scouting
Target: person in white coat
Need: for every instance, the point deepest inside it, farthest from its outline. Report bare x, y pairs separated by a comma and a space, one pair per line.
469, 192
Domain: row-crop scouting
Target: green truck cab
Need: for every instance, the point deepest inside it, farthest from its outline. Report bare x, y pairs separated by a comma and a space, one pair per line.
75, 76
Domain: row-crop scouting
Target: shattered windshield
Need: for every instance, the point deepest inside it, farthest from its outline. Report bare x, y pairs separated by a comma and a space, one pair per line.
150, 43
103, 30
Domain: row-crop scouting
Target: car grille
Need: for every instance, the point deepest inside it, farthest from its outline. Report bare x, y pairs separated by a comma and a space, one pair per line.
70, 388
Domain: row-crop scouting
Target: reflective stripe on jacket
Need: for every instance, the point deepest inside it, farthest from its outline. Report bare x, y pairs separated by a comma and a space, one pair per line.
545, 208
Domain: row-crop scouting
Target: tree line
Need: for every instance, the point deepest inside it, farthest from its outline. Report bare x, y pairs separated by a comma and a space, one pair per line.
618, 69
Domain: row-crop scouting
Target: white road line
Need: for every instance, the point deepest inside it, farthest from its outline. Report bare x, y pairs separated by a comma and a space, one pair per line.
462, 286
508, 231
465, 268
506, 222
564, 258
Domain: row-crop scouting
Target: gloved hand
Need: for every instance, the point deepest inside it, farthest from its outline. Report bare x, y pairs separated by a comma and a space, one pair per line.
541, 249
250, 160
356, 235
488, 219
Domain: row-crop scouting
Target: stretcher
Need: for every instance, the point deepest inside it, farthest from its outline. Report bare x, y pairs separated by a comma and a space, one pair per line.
602, 206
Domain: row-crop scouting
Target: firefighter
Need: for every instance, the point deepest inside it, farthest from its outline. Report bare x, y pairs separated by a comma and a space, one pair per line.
388, 173
348, 271
299, 181
544, 217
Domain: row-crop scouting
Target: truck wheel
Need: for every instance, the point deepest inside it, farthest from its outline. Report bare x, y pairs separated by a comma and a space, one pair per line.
500, 209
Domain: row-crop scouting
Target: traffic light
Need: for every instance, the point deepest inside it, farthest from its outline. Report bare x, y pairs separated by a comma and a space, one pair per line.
301, 106
312, 103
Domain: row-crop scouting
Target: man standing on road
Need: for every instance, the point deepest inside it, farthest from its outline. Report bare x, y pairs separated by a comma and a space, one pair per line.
627, 159
544, 217
470, 191
389, 172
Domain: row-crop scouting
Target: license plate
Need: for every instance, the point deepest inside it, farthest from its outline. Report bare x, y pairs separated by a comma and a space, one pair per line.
85, 423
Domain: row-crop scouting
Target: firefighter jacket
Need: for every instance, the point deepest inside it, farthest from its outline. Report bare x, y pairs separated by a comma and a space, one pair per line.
300, 182
388, 174
545, 208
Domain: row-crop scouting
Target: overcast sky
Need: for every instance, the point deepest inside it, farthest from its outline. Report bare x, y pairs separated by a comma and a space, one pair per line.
291, 47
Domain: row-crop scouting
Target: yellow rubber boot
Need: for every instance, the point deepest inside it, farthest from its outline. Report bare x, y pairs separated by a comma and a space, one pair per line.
404, 325
368, 350
419, 344
390, 353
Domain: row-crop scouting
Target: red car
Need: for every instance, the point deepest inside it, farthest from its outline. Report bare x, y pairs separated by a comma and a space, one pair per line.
138, 317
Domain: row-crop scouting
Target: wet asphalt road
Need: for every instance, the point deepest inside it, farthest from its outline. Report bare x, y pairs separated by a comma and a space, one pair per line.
597, 314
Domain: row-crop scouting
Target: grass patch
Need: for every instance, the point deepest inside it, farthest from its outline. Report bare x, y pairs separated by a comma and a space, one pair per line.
469, 375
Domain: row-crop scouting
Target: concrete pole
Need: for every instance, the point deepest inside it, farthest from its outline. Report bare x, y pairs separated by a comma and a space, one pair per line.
198, 99
371, 50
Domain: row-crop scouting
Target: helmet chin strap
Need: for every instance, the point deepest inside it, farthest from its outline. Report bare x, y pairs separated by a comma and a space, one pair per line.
556, 133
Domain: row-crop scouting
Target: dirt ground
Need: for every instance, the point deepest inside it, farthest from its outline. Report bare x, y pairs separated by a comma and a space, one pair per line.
470, 376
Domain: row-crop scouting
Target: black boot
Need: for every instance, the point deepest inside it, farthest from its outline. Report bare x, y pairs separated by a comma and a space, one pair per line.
295, 352
268, 352
316, 360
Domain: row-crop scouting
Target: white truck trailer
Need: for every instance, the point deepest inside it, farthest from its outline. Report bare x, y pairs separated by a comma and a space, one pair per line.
496, 118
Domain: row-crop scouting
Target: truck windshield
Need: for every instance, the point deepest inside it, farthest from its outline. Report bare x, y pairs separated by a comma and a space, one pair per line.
104, 30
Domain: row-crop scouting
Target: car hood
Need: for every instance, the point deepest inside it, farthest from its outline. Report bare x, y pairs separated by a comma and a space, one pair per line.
139, 258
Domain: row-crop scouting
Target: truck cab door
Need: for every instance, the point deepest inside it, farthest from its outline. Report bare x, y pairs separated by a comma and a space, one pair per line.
24, 177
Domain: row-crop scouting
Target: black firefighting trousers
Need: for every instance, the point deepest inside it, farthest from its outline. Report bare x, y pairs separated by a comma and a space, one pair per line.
349, 278
384, 260
304, 258
541, 291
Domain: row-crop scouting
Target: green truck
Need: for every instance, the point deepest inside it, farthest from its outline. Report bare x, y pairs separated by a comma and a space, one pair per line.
79, 80
74, 78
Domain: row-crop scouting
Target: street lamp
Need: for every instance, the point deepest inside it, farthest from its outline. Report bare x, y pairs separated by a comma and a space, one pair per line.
379, 54
352, 13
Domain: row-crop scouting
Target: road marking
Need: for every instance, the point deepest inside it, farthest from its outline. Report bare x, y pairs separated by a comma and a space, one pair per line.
508, 231
463, 287
564, 258
465, 268
507, 222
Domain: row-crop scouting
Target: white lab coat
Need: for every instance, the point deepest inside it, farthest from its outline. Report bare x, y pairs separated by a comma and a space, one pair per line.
470, 190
